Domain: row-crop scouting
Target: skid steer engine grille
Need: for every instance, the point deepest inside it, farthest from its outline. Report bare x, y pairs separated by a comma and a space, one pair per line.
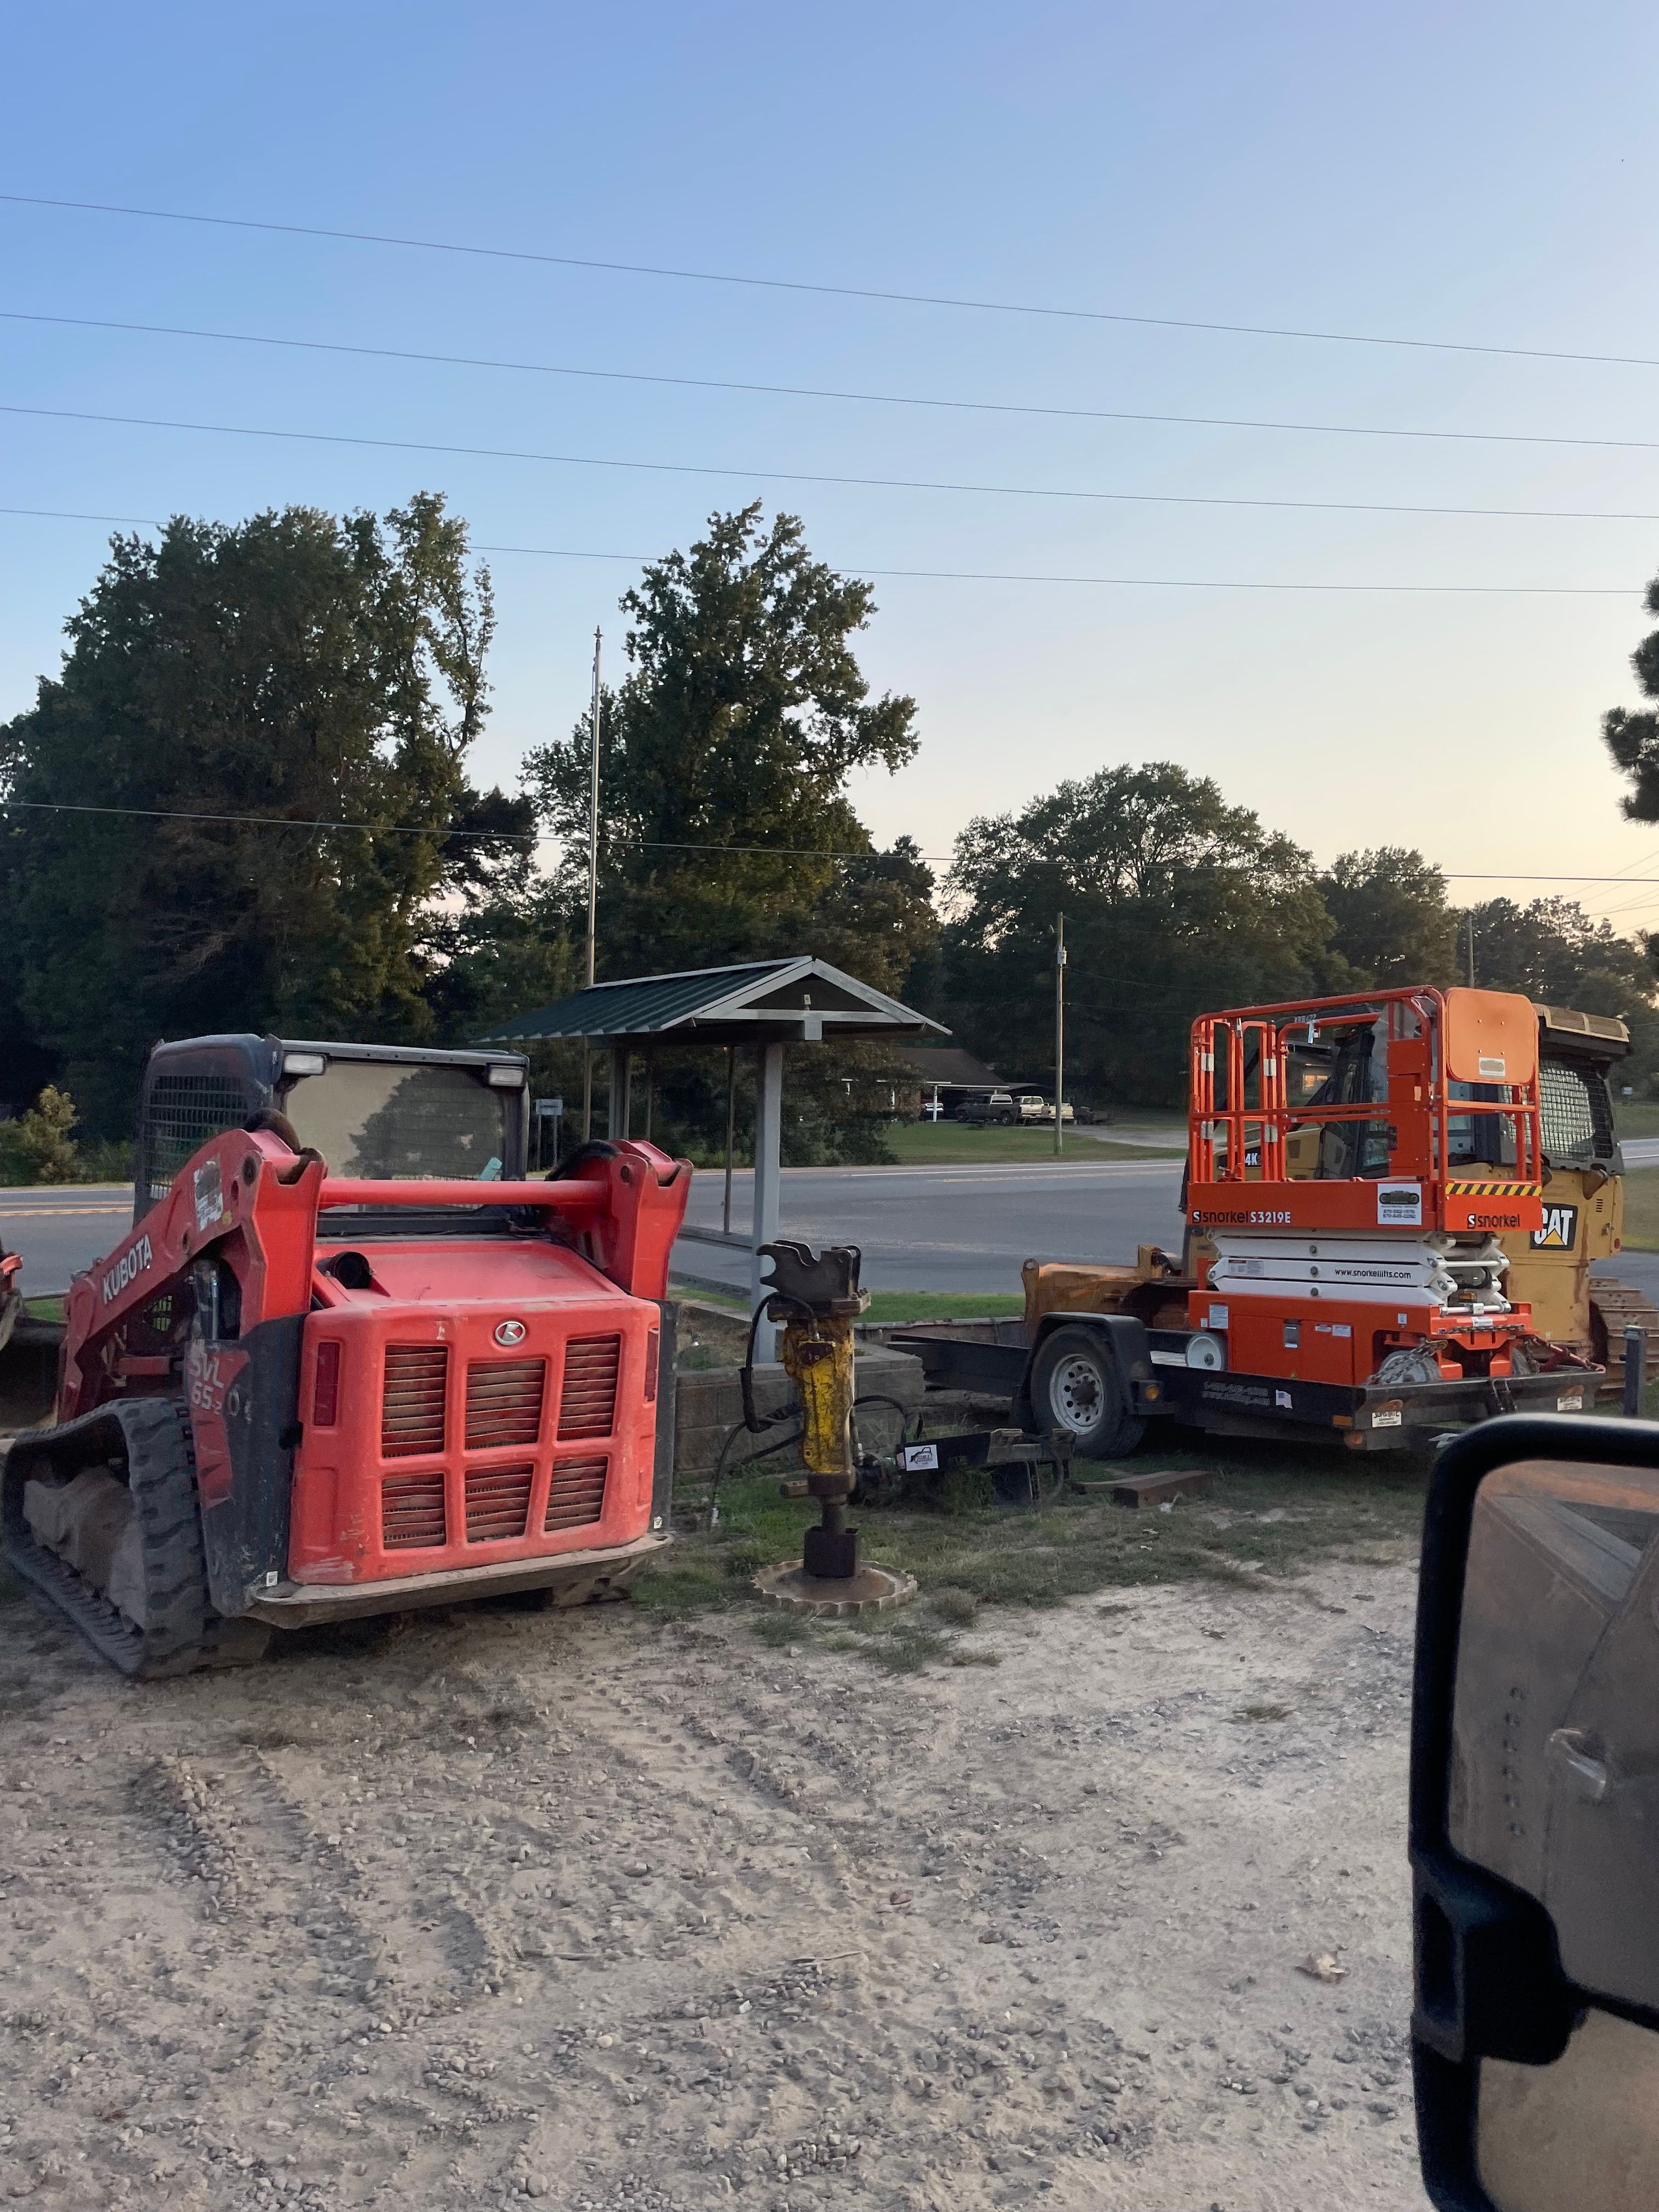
412, 1404
575, 1495
412, 1511
504, 1402
587, 1401
497, 1503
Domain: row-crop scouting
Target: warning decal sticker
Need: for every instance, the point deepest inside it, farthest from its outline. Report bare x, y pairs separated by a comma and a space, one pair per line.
1400, 1205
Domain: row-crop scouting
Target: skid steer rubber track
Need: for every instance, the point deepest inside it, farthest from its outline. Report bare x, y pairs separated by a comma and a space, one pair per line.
1615, 1306
147, 1444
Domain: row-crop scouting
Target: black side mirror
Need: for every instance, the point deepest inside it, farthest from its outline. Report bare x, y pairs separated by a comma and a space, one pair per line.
1535, 1819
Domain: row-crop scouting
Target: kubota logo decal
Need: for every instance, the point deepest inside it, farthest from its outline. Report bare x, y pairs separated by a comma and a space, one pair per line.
1560, 1231
510, 1332
127, 1269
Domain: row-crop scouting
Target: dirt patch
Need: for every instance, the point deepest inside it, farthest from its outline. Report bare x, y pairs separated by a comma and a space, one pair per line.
626, 1912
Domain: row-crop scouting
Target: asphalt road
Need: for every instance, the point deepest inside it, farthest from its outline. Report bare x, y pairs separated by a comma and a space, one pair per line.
939, 1229
951, 1229
61, 1228
946, 1228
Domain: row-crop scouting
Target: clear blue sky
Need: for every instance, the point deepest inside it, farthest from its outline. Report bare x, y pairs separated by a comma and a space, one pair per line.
1476, 172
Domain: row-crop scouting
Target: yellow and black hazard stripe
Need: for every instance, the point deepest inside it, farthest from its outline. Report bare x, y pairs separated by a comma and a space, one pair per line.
1494, 1191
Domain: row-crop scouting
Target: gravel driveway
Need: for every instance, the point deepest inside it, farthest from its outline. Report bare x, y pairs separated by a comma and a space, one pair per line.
618, 1913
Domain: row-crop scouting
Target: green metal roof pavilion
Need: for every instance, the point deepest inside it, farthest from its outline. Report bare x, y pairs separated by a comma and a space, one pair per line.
765, 1003
801, 1001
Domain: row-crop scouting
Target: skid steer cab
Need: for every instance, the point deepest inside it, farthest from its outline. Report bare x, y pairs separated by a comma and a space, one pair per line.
1359, 1171
348, 1360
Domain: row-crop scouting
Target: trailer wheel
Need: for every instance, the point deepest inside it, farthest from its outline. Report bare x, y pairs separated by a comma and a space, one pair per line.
1075, 1387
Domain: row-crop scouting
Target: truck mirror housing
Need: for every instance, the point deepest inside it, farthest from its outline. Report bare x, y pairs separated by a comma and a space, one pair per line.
1535, 1819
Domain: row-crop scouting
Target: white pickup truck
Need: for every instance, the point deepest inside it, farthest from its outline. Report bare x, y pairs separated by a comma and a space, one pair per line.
1009, 1107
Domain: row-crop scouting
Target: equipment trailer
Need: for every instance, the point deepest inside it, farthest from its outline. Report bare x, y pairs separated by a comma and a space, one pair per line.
1353, 1164
293, 1395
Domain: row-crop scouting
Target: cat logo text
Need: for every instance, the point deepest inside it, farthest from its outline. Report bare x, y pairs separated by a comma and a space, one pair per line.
1558, 1232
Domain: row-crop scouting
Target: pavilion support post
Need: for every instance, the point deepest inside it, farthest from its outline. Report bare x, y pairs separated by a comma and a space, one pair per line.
621, 1100
769, 1151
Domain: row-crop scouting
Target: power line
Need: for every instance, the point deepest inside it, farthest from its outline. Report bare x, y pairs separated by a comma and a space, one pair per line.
272, 820
77, 514
1513, 876
810, 476
833, 291
1147, 583
1006, 576
659, 845
820, 391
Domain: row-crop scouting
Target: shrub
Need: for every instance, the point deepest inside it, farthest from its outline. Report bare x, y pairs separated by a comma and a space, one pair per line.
37, 1147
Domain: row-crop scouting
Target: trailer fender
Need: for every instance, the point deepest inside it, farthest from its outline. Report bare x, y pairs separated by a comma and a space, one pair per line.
1130, 1362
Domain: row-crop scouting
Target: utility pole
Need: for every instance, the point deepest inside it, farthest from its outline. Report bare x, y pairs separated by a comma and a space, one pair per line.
1471, 921
1059, 1033
593, 887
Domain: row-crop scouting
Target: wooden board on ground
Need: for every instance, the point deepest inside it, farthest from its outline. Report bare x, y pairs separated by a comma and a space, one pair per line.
1155, 1488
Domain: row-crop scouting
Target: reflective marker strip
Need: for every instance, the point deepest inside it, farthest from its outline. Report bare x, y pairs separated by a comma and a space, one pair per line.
1494, 1191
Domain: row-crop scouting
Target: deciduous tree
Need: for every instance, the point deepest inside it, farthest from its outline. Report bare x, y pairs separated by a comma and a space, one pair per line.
743, 714
1174, 903
221, 681
1392, 924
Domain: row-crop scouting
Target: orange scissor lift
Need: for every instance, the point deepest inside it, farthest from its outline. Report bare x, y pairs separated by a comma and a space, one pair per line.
1352, 1164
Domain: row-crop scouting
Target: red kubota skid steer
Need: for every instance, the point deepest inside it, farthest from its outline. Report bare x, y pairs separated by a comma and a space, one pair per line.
342, 1364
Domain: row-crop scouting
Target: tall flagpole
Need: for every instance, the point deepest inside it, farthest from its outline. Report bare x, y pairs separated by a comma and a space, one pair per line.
592, 888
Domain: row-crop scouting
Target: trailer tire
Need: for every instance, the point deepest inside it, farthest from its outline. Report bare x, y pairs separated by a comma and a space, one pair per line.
1075, 1387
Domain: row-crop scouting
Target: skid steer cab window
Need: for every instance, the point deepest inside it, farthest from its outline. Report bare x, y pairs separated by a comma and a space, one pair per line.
386, 1123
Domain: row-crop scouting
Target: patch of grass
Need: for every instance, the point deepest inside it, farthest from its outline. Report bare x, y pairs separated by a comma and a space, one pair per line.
686, 1582
1636, 1117
710, 1294
908, 1649
1262, 1713
778, 1628
1271, 1514
960, 1143
957, 1608
977, 1658
1642, 1208
44, 1308
944, 1305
